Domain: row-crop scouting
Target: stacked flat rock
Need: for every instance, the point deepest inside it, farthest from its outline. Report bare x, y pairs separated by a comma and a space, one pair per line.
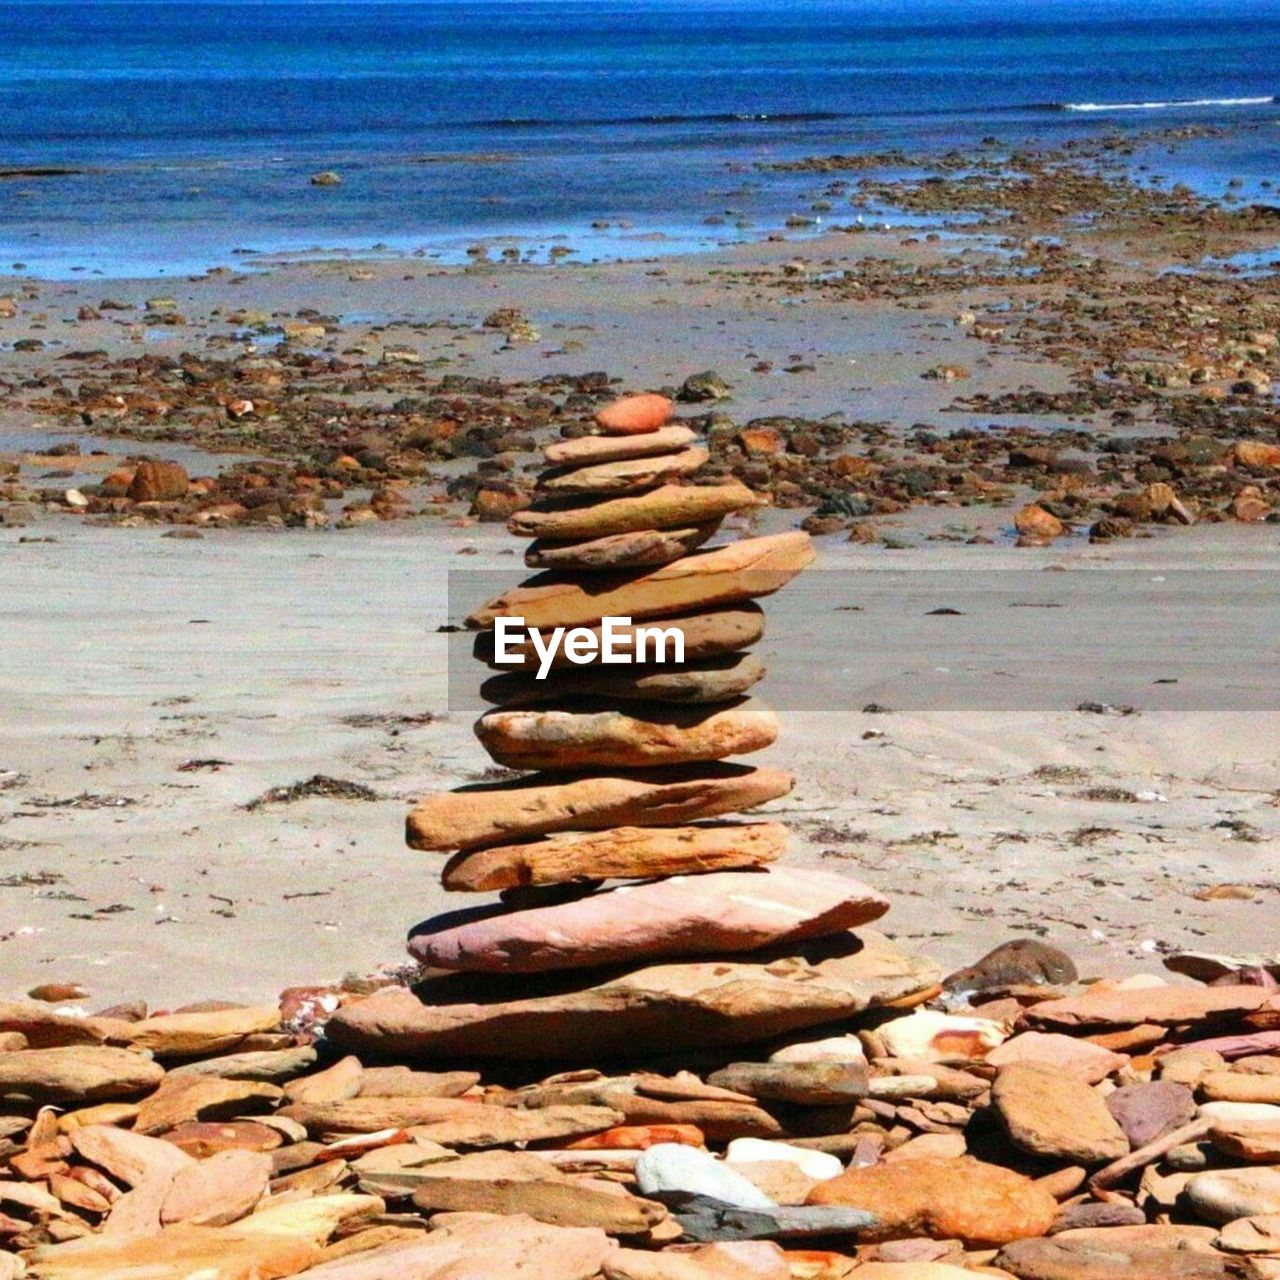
620, 859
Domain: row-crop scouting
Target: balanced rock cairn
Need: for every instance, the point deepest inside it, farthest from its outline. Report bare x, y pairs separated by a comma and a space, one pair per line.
631, 784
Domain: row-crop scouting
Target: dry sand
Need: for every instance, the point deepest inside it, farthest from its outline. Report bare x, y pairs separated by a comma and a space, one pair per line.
127, 655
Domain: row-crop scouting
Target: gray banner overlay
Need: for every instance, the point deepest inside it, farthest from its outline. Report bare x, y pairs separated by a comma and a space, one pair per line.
1107, 640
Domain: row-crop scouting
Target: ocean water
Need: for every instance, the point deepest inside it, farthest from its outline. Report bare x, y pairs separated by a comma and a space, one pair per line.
180, 132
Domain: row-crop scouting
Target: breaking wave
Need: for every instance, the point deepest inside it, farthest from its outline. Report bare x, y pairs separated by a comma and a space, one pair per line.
1171, 105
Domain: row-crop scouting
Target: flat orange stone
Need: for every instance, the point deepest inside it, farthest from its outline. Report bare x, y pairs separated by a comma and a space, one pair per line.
635, 415
638, 1137
202, 1138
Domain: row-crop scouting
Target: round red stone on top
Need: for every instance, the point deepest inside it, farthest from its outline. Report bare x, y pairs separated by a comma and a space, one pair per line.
635, 415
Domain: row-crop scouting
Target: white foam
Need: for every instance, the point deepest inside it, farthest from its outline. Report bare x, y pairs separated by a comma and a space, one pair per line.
1168, 106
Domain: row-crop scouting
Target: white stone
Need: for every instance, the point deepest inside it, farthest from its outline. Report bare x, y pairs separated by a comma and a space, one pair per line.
1223, 1195
669, 1166
926, 1036
1230, 1112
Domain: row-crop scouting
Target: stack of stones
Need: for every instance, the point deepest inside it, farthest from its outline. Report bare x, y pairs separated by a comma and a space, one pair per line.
631, 783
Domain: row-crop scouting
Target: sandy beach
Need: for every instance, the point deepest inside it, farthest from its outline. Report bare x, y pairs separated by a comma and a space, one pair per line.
156, 686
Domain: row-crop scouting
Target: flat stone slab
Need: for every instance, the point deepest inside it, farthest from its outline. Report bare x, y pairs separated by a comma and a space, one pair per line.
174, 1252
1163, 1006
718, 679
743, 570
1257, 1141
671, 506
723, 911
518, 1182
630, 475
76, 1074
622, 853
129, 1157
1241, 1046
588, 451
1223, 1195
704, 1220
1209, 966
1051, 1113
1081, 1058
707, 633
468, 1246
271, 1065
1259, 1235
809, 1084
645, 549
555, 739
1086, 1260
497, 813
653, 1009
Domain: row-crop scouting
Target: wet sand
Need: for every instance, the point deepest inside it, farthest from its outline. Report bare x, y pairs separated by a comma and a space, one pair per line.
649, 322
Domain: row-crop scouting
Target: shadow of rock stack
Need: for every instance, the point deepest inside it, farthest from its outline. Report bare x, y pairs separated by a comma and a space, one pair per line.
707, 942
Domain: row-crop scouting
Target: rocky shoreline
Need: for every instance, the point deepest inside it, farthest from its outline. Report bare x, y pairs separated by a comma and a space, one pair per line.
1096, 312
746, 1077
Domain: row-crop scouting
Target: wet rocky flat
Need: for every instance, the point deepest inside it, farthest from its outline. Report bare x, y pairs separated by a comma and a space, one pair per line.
1063, 335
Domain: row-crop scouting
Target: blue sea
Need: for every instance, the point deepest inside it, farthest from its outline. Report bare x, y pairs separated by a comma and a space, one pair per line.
191, 129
